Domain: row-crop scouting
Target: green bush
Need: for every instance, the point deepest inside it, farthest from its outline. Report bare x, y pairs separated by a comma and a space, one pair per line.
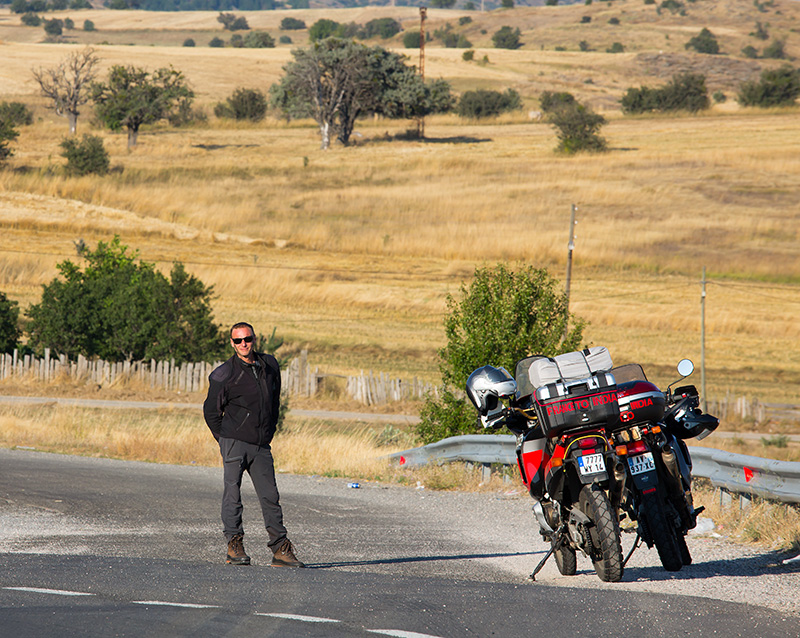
704, 42
118, 309
9, 324
487, 103
550, 101
189, 42
322, 28
468, 56
292, 24
501, 317
381, 27
775, 50
412, 39
85, 156
16, 113
617, 47
776, 87
577, 127
285, 39
216, 43
243, 104
750, 52
31, 20
259, 40
507, 38
53, 27
685, 92
88, 25
7, 135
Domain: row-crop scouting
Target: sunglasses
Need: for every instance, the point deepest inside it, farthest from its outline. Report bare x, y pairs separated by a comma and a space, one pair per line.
240, 339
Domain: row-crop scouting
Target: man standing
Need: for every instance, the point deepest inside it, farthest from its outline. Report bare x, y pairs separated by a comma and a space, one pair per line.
241, 410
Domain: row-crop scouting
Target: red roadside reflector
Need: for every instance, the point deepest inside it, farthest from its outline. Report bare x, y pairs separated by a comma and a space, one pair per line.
402, 460
748, 474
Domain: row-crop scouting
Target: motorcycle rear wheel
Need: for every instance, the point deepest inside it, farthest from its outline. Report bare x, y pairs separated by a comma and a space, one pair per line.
566, 560
663, 537
607, 548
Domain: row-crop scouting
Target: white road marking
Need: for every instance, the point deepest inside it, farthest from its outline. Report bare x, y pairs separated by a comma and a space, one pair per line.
398, 633
297, 617
168, 604
58, 592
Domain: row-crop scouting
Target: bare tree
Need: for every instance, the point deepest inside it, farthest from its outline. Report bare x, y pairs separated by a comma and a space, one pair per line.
67, 84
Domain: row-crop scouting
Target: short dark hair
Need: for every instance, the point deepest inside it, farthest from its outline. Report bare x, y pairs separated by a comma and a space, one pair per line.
242, 324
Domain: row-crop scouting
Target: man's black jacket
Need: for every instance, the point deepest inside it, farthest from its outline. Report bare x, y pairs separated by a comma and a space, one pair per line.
243, 399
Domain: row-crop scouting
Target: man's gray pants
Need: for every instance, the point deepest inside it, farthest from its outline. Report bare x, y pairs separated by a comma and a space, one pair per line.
238, 456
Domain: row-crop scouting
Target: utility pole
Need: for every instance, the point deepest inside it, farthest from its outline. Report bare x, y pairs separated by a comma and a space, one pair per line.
423, 14
570, 248
703, 340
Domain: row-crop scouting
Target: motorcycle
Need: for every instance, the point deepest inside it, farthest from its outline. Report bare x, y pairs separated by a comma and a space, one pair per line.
649, 437
564, 459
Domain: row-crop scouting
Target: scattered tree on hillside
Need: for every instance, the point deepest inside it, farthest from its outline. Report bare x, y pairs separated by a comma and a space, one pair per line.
684, 92
336, 81
68, 84
230, 22
487, 103
118, 309
507, 38
131, 97
704, 42
501, 317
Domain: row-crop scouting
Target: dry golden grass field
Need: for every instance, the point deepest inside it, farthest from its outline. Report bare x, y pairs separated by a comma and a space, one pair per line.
350, 252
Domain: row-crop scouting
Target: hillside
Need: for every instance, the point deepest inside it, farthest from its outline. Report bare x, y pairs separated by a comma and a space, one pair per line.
352, 252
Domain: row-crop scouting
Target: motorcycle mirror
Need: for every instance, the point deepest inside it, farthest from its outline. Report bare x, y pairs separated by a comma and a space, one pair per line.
685, 367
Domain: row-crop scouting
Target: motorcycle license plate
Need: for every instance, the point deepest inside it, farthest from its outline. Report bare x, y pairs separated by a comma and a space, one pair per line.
641, 463
591, 464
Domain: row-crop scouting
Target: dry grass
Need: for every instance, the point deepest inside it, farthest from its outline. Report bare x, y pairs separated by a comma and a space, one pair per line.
351, 252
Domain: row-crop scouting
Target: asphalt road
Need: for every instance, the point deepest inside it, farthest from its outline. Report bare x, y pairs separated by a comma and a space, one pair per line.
95, 547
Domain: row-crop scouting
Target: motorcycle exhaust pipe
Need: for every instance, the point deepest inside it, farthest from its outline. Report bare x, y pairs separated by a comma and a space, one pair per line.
671, 463
538, 512
620, 476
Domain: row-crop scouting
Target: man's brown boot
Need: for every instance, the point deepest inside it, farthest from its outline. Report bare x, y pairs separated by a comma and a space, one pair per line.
236, 555
284, 556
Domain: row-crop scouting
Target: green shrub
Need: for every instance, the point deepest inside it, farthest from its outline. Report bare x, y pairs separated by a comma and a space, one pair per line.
88, 25
412, 39
616, 47
216, 42
16, 113
750, 52
685, 92
31, 20
7, 135
380, 27
259, 40
776, 87
549, 101
285, 39
500, 318
704, 42
85, 156
9, 324
243, 104
719, 97
292, 24
188, 42
463, 20
577, 127
322, 28
468, 55
507, 38
487, 103
775, 50
614, 21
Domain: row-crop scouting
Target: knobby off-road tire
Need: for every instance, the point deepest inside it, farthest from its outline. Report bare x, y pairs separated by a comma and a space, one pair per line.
605, 534
663, 536
566, 560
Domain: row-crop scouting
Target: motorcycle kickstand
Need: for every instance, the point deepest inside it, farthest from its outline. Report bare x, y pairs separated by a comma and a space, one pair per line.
636, 544
553, 548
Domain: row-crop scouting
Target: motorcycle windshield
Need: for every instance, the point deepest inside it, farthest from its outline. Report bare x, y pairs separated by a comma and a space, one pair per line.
628, 372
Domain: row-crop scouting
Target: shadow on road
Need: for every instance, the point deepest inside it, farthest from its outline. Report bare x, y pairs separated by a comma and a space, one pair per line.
413, 559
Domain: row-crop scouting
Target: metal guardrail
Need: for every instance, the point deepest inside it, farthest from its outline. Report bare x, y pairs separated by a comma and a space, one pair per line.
738, 473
